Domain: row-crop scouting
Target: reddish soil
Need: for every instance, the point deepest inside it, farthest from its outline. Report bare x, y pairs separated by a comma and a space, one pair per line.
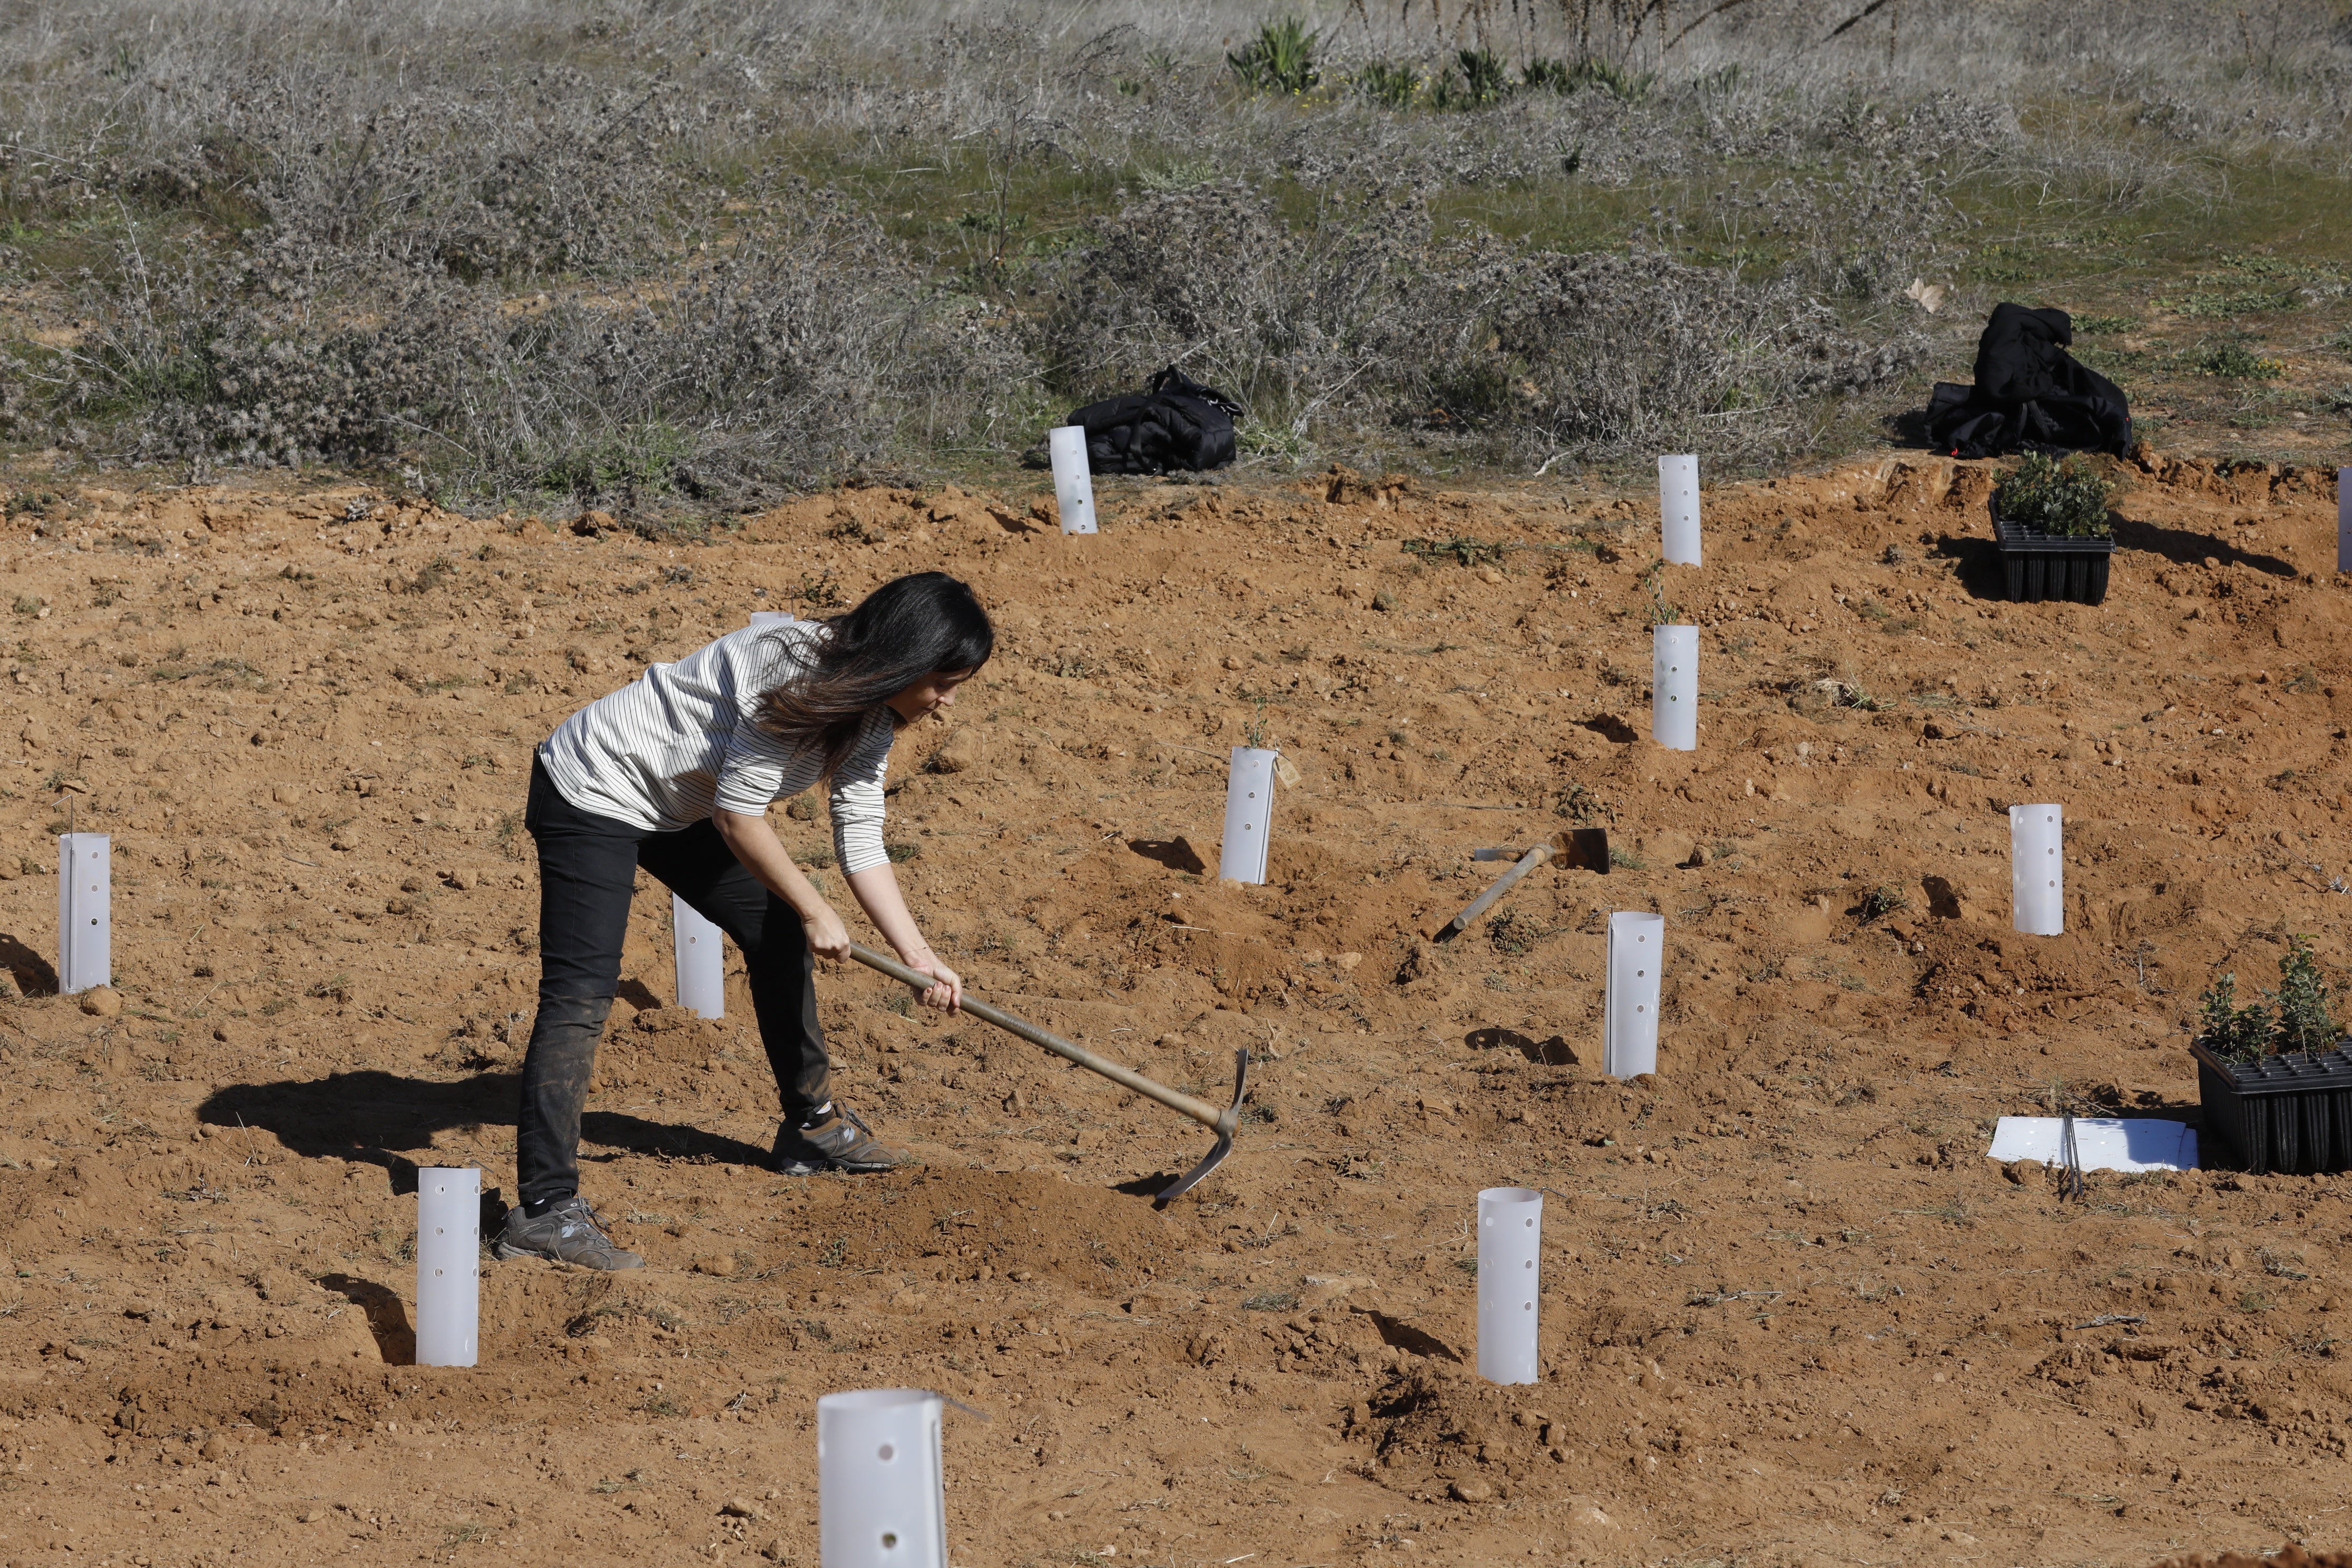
1791, 1313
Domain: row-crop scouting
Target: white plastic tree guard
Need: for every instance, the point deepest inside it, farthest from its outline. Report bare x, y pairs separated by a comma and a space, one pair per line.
2037, 868
1678, 509
881, 1489
1673, 687
761, 619
85, 911
2344, 520
1074, 480
449, 1267
701, 961
1510, 1259
1249, 812
1637, 944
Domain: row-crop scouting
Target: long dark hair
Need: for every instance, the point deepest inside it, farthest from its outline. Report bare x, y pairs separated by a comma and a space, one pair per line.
924, 624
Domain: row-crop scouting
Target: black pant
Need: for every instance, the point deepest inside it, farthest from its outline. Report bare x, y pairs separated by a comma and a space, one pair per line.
587, 871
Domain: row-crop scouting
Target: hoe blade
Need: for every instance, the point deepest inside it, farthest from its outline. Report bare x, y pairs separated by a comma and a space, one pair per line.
1224, 1144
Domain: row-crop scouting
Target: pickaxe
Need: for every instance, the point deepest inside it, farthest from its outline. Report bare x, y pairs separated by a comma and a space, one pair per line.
1586, 847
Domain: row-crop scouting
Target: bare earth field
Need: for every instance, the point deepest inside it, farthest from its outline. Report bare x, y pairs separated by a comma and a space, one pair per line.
1791, 1315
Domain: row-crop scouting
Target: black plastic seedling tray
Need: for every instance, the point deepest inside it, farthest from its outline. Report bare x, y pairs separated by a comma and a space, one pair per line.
2287, 1114
2052, 566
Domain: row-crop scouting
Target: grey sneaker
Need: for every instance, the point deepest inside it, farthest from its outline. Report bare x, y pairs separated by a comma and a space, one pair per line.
842, 1142
568, 1233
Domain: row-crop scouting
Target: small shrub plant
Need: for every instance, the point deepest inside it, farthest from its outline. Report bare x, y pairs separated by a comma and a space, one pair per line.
1280, 58
1389, 85
2236, 361
2057, 496
1476, 78
2299, 1016
2306, 1018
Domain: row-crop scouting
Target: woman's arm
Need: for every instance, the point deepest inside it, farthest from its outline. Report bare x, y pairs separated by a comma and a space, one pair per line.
877, 889
755, 844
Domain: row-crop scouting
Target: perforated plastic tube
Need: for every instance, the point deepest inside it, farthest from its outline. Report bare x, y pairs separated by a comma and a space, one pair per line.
1510, 1269
85, 911
1249, 813
1637, 943
2037, 868
701, 961
1074, 480
2344, 520
1673, 687
1678, 509
881, 1489
449, 1267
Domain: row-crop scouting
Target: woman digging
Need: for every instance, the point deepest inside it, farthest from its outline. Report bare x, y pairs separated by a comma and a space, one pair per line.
675, 774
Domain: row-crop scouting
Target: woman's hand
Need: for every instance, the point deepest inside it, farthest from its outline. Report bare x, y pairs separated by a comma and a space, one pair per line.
754, 843
827, 937
948, 994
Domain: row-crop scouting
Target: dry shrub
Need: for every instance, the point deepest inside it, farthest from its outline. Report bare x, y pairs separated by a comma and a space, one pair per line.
539, 245
559, 173
1359, 312
810, 346
1595, 355
1286, 320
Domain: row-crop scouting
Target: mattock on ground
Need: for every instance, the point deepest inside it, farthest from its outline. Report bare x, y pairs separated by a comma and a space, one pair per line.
1586, 847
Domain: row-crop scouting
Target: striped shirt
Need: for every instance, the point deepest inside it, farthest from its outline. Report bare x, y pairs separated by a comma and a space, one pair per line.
663, 751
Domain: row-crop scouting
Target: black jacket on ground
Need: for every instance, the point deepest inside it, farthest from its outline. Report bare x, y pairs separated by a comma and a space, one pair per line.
1178, 424
2029, 394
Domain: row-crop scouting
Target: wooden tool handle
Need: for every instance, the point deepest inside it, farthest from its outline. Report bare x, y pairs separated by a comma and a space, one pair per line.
1503, 884
1126, 1078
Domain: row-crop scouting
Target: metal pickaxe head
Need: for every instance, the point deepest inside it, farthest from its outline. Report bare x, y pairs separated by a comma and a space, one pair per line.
1584, 846
1224, 1144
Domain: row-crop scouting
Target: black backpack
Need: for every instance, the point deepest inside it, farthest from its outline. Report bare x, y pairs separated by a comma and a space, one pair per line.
1177, 424
2029, 394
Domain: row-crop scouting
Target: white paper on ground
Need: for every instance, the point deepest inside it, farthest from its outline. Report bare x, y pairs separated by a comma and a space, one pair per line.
701, 961
772, 618
1678, 535
2101, 1142
1074, 480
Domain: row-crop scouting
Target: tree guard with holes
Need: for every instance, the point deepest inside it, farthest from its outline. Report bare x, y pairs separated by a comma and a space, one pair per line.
2344, 520
1637, 942
2037, 868
881, 1490
701, 961
1249, 810
85, 911
1673, 687
449, 1267
1510, 1269
1074, 480
1678, 509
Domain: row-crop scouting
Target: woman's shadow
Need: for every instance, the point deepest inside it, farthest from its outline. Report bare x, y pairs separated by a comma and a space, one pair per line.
378, 1118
